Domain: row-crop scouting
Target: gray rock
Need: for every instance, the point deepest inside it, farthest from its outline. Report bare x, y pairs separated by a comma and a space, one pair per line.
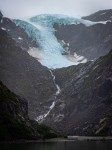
86, 91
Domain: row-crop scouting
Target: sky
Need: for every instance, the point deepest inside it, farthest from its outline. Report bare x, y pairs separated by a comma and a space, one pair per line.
29, 8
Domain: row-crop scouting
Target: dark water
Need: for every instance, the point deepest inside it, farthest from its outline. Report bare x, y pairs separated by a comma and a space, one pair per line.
75, 145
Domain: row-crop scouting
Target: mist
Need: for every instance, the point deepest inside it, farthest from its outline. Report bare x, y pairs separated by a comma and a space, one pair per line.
28, 8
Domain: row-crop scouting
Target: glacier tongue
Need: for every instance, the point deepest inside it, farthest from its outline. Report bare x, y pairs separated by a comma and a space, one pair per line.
51, 49
40, 29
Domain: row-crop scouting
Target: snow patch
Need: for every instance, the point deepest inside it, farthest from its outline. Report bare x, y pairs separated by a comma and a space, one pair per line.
76, 58
63, 42
34, 52
1, 20
95, 67
98, 77
104, 22
68, 44
19, 38
103, 13
3, 29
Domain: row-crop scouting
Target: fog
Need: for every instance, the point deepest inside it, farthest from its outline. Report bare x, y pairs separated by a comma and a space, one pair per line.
28, 8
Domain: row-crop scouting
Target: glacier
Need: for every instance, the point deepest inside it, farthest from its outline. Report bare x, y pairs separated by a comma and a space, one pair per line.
40, 29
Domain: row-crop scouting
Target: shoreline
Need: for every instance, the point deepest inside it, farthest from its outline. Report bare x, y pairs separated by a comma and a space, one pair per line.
68, 139
90, 138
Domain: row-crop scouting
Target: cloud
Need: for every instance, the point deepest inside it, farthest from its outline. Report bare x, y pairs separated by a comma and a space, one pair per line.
27, 8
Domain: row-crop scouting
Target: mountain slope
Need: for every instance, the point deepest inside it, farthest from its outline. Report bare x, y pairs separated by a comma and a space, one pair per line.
17, 34
14, 121
40, 29
90, 42
74, 100
85, 102
102, 15
23, 74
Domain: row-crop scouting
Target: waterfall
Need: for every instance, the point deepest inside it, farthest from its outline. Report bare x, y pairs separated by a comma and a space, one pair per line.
57, 86
42, 117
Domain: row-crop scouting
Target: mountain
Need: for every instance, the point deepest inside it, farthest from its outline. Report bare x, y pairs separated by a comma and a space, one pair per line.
1, 15
102, 15
16, 33
20, 72
78, 40
40, 29
14, 121
62, 67
84, 104
90, 42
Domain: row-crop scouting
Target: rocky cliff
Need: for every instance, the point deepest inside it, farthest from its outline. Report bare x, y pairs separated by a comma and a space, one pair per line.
85, 102
14, 121
79, 97
102, 15
88, 41
23, 74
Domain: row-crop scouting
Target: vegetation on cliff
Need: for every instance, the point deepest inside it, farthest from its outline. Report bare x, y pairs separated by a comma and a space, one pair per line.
14, 121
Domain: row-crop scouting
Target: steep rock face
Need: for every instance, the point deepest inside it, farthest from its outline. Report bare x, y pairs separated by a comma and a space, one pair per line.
83, 106
7, 97
85, 102
17, 34
40, 29
1, 15
14, 121
102, 15
92, 42
23, 74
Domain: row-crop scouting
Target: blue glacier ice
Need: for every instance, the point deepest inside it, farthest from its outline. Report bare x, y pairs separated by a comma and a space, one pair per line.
40, 29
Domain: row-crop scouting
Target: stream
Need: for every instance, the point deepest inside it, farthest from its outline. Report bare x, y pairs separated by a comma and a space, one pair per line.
42, 117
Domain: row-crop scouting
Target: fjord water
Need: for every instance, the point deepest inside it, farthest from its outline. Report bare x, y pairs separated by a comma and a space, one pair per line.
69, 145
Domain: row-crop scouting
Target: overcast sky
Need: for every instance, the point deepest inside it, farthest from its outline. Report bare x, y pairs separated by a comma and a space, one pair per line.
28, 8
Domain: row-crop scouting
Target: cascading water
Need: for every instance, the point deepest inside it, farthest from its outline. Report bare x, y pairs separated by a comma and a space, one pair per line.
49, 53
42, 117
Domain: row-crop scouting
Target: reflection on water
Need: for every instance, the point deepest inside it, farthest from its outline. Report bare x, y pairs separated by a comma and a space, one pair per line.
72, 145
